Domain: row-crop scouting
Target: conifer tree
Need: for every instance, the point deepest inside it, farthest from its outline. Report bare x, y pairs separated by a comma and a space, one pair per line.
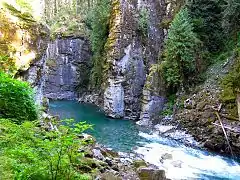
180, 50
231, 17
207, 21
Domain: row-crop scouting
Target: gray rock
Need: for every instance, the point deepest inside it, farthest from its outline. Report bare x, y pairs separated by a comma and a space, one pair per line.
68, 68
114, 100
97, 154
177, 164
130, 57
166, 156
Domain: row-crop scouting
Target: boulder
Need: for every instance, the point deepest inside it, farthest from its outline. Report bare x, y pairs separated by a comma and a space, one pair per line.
139, 163
166, 156
97, 154
151, 174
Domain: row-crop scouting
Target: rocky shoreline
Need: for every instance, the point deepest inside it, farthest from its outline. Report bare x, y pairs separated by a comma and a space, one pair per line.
198, 115
103, 163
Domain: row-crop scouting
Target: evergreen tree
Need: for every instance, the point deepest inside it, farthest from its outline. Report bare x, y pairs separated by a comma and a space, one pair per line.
180, 50
231, 17
207, 21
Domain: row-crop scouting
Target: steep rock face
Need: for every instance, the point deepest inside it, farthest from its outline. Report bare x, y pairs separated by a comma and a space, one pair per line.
22, 40
129, 57
153, 98
68, 67
35, 75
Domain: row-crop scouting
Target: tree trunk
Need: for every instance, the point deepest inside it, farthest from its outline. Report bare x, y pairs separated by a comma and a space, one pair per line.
238, 104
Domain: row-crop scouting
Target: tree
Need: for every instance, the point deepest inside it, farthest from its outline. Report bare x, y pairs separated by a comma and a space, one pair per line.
231, 17
207, 21
25, 5
179, 50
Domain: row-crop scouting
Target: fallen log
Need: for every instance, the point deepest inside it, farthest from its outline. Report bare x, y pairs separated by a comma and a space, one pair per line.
225, 134
228, 128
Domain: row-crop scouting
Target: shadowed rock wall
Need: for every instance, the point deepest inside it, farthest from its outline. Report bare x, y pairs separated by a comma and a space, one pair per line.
68, 67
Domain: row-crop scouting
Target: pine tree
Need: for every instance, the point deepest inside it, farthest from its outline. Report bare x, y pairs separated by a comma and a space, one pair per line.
231, 17
180, 50
207, 21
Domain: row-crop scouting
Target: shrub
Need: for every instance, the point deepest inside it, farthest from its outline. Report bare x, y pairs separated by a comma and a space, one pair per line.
16, 99
7, 64
143, 22
27, 151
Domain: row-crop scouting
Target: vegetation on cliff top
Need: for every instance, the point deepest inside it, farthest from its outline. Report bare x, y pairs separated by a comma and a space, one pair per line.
98, 23
201, 34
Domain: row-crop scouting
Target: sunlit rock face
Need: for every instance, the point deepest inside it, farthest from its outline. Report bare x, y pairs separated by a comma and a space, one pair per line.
24, 42
130, 56
68, 67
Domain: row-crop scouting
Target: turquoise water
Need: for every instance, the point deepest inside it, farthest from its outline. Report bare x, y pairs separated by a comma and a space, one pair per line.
124, 135
120, 134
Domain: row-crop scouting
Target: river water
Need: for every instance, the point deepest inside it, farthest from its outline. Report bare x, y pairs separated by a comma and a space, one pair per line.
178, 160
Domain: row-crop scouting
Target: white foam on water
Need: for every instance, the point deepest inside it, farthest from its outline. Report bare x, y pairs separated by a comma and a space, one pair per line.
186, 162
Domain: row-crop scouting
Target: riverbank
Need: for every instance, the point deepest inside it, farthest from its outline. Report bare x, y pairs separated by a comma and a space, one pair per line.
103, 163
161, 151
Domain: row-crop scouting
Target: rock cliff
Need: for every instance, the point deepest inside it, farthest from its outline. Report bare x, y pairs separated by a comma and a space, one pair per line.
130, 56
62, 71
68, 67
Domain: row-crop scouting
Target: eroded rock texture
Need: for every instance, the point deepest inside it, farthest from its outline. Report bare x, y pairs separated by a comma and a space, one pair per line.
68, 67
130, 56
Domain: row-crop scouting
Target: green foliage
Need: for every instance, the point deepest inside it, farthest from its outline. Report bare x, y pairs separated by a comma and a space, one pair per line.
179, 61
143, 22
169, 105
231, 82
24, 16
25, 5
98, 23
7, 64
66, 23
207, 21
27, 151
231, 16
16, 99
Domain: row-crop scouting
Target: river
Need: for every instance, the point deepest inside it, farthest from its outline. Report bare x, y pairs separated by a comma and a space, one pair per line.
182, 162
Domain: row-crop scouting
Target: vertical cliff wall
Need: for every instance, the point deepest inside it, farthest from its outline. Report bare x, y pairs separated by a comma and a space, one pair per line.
62, 71
68, 67
130, 56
